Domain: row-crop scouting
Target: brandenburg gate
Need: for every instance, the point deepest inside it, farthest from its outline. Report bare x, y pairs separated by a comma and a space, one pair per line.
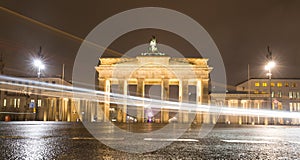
154, 68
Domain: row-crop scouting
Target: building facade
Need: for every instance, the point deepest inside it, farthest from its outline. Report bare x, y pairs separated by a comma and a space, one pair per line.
25, 99
285, 93
172, 78
261, 94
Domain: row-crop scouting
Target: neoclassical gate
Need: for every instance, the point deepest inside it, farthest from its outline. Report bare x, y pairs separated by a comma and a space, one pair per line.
118, 75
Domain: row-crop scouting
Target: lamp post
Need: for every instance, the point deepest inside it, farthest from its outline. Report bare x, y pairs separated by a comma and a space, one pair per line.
269, 66
38, 63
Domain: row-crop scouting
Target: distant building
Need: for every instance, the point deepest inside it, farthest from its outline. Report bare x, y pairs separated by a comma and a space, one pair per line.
255, 94
20, 97
285, 93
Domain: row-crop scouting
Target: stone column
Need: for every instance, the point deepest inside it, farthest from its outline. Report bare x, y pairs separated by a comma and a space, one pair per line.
107, 100
69, 110
89, 111
66, 103
100, 112
140, 91
94, 111
165, 89
83, 110
246, 117
199, 91
63, 109
206, 115
183, 98
240, 118
56, 109
74, 110
266, 119
236, 117
227, 116
60, 108
46, 108
122, 109
49, 108
259, 106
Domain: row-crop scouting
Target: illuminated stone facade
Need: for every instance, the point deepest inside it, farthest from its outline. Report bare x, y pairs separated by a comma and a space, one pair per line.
159, 70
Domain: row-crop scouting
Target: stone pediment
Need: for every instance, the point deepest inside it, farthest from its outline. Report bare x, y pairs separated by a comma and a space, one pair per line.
154, 60
191, 61
115, 61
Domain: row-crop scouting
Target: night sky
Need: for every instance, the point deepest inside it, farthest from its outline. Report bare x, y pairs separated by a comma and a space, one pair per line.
242, 30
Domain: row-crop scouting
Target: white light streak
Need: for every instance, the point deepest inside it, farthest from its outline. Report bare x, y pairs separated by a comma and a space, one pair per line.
247, 141
56, 90
170, 140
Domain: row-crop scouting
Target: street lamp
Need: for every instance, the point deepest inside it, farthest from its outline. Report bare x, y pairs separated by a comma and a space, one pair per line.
38, 63
269, 66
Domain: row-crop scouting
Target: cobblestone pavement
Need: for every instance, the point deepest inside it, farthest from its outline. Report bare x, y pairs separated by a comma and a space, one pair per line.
61, 140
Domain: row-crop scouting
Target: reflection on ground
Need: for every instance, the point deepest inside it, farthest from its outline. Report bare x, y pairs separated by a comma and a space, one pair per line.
61, 140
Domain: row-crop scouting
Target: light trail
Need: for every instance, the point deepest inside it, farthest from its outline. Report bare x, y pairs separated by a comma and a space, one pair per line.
15, 113
56, 90
59, 31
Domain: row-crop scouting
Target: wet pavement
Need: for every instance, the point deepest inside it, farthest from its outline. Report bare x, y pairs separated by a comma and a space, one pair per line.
62, 140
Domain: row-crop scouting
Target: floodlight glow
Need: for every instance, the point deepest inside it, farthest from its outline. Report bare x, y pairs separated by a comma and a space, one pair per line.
270, 65
267, 67
39, 64
42, 66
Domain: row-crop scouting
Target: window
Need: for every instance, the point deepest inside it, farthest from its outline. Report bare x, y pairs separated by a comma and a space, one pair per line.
290, 95
15, 102
279, 94
256, 84
39, 103
279, 84
272, 84
294, 107
18, 102
298, 95
4, 102
53, 82
294, 85
264, 84
272, 94
256, 91
286, 84
294, 95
